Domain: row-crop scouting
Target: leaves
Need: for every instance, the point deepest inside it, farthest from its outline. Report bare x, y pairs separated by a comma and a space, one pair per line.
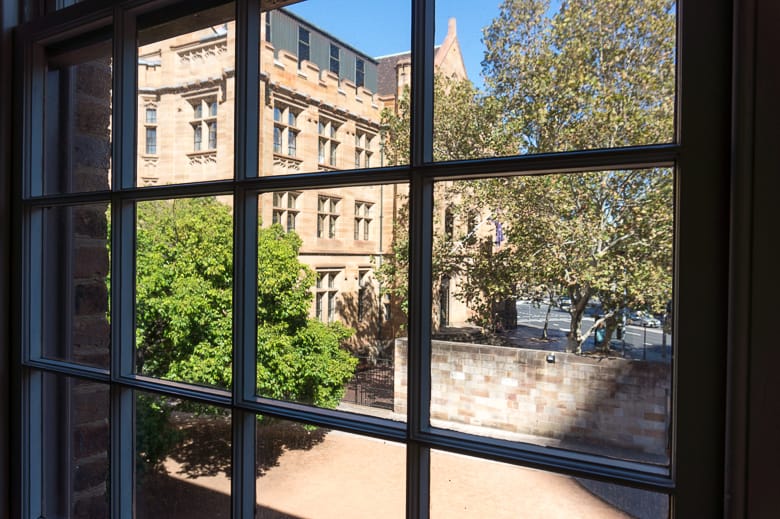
591, 74
184, 271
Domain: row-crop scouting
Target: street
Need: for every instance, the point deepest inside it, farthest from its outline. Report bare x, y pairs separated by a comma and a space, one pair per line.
640, 342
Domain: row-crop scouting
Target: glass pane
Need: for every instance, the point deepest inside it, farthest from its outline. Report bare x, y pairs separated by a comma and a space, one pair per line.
75, 448
326, 333
186, 72
74, 306
526, 260
333, 83
184, 283
537, 77
182, 458
77, 118
304, 472
462, 486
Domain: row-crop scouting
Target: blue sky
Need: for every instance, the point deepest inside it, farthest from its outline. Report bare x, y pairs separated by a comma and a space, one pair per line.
382, 27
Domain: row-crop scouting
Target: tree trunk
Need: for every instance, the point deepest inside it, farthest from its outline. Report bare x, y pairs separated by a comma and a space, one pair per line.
574, 337
546, 321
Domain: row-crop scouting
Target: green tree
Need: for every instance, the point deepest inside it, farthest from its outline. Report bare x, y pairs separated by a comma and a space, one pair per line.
184, 267
466, 126
605, 234
592, 74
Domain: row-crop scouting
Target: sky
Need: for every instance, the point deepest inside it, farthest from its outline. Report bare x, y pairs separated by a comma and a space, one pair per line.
381, 27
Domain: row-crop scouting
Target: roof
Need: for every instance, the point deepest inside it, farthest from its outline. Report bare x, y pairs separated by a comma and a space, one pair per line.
386, 82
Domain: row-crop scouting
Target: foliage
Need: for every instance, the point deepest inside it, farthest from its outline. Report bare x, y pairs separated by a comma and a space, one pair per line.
591, 74
466, 126
184, 306
605, 234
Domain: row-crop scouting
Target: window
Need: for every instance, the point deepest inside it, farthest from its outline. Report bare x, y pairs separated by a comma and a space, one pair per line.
197, 138
64, 220
277, 139
212, 135
285, 130
363, 142
303, 45
360, 72
327, 216
151, 131
199, 108
362, 220
326, 294
285, 209
151, 140
334, 59
327, 150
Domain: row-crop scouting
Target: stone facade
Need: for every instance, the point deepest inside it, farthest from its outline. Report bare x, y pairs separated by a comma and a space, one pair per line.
312, 119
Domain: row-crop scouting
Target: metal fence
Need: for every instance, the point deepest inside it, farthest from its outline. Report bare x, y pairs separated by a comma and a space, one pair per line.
372, 385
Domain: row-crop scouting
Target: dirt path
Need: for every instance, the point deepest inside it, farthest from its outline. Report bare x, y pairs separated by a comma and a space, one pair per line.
351, 477
347, 476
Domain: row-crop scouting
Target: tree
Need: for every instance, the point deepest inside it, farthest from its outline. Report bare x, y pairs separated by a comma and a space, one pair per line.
605, 234
466, 126
593, 74
184, 306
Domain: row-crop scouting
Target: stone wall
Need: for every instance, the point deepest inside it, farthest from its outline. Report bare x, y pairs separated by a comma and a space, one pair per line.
605, 405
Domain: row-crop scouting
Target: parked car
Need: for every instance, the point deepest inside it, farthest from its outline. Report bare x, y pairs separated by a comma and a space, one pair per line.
564, 303
642, 319
594, 310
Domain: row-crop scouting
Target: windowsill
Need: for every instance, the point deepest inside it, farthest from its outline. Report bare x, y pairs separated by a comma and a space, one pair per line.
326, 167
202, 153
287, 157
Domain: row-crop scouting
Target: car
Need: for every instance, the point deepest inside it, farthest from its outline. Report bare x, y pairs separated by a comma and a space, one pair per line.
642, 319
564, 303
594, 310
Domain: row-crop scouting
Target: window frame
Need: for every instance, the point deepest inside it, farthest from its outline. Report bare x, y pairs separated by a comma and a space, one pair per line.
304, 45
334, 61
699, 155
360, 72
286, 126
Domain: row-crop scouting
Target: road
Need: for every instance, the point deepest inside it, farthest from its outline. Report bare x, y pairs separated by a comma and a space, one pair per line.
640, 342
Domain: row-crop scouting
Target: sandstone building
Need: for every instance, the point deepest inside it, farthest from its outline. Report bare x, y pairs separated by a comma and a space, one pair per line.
322, 103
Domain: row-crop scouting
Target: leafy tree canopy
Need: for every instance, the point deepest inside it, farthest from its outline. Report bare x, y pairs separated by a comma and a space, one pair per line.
184, 268
593, 74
